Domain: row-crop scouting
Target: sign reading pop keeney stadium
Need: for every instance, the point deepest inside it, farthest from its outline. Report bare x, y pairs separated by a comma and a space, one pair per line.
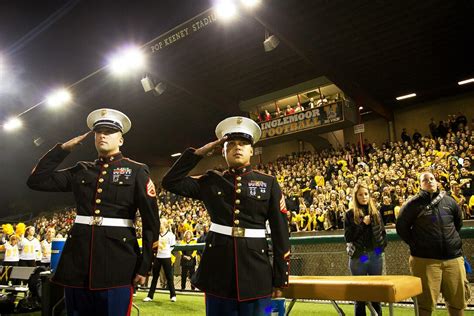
181, 31
308, 119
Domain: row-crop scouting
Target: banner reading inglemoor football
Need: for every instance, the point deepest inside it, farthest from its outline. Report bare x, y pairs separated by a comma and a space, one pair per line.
301, 121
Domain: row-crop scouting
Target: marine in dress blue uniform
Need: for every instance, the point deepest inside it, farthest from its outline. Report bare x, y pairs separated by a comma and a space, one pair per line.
235, 270
101, 257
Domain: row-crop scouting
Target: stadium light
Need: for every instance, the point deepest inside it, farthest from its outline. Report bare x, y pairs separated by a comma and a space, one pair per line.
407, 96
12, 124
148, 84
225, 9
38, 141
58, 98
128, 60
271, 42
159, 89
459, 83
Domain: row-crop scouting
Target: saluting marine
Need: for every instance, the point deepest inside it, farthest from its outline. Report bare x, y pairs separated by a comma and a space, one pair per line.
235, 270
101, 257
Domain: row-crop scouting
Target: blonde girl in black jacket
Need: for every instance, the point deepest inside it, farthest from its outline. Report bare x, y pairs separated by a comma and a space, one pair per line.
366, 239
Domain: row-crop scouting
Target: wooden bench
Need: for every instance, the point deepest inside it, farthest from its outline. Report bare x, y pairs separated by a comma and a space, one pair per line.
376, 288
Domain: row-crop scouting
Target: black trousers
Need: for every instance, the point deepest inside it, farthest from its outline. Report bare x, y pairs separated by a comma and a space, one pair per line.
47, 265
27, 263
166, 264
109, 302
185, 272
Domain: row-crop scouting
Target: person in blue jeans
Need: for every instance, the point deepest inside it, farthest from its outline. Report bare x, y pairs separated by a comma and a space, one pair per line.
366, 239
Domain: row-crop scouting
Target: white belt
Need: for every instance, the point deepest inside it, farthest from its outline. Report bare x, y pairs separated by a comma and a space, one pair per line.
103, 221
237, 231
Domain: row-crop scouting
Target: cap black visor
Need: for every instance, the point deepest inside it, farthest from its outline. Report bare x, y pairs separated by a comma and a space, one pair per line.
241, 136
105, 123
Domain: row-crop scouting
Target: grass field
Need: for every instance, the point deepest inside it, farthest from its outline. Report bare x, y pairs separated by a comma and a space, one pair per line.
193, 305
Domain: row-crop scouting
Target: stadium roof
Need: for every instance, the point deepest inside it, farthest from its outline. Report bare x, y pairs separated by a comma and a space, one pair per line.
372, 50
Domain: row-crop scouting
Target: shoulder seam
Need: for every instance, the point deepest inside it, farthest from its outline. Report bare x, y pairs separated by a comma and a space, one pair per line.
214, 172
133, 161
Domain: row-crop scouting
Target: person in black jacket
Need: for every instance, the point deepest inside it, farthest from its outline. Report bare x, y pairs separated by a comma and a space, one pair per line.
430, 223
101, 258
235, 270
416, 137
404, 136
366, 239
188, 259
387, 210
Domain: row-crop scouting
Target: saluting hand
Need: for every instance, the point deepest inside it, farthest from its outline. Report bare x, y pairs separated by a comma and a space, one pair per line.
209, 148
72, 143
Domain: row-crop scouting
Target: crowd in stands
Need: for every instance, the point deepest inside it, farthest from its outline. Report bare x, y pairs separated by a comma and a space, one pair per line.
61, 221
318, 186
311, 103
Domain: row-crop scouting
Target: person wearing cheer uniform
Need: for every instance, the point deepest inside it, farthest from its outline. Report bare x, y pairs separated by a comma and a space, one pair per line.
46, 247
166, 243
12, 255
29, 247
